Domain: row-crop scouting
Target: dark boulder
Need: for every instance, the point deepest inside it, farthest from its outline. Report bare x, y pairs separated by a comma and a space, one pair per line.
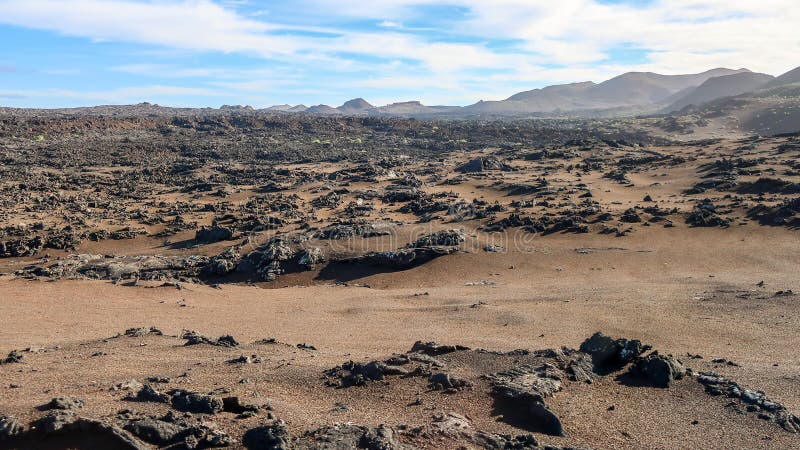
197, 403
445, 382
443, 238
195, 338
434, 349
268, 437
157, 431
630, 216
56, 421
330, 200
177, 432
143, 331
612, 354
235, 405
658, 370
65, 403
349, 436
358, 374
484, 164
222, 264
148, 394
750, 400
705, 214
14, 356
213, 234
786, 213
520, 395
10, 428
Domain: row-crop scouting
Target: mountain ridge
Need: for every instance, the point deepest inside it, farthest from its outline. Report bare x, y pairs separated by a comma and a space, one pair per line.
719, 87
630, 93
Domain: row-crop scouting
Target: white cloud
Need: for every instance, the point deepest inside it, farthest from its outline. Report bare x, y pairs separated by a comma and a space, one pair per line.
167, 71
131, 94
757, 34
543, 41
187, 24
206, 26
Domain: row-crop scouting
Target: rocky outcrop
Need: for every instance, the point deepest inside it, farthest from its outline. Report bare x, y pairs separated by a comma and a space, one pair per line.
11, 428
172, 431
196, 403
520, 393
209, 235
786, 213
268, 437
755, 402
484, 164
359, 374
658, 370
195, 338
424, 249
612, 354
705, 214
434, 349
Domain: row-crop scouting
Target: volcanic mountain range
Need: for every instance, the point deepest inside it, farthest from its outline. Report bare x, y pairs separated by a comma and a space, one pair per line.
627, 94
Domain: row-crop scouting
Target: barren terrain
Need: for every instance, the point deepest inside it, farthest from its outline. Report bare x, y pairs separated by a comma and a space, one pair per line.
195, 279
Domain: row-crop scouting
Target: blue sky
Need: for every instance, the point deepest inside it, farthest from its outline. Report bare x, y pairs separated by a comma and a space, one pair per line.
64, 53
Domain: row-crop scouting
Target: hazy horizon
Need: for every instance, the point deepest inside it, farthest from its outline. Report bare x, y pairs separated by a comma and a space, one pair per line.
202, 53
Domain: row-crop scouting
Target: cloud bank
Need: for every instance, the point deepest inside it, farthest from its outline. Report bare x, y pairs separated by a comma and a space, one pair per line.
451, 51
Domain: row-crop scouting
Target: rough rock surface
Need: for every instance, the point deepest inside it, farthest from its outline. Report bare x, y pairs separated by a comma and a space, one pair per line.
521, 391
10, 428
483, 164
705, 214
149, 394
752, 401
197, 403
195, 338
268, 437
65, 403
659, 370
209, 235
358, 374
611, 354
434, 349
